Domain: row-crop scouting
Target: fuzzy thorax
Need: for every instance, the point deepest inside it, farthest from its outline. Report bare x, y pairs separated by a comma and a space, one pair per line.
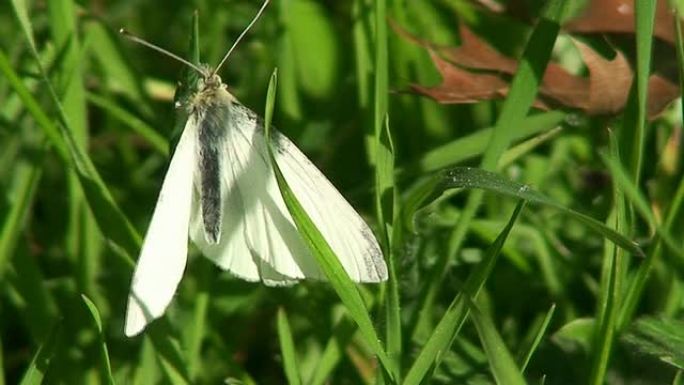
210, 91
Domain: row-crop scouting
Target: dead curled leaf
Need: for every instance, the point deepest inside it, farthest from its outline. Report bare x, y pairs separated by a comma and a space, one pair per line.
475, 71
617, 16
461, 86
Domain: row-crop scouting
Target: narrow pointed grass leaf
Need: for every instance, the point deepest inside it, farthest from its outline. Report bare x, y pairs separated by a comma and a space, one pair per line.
111, 220
385, 195
385, 200
515, 108
158, 142
169, 352
287, 350
194, 334
32, 299
2, 364
679, 44
644, 13
104, 352
25, 178
467, 177
113, 223
290, 102
475, 144
40, 363
526, 147
103, 45
33, 107
503, 366
333, 351
527, 353
21, 10
610, 284
661, 338
321, 251
635, 197
637, 285
448, 327
342, 335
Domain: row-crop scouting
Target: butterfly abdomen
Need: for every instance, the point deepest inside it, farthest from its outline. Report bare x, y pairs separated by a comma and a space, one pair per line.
211, 123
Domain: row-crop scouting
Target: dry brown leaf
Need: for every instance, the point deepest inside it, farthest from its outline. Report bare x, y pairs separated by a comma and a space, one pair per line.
609, 81
617, 16
661, 92
476, 53
603, 92
461, 86
565, 88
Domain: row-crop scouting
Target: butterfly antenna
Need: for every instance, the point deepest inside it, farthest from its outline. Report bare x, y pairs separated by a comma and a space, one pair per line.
147, 44
261, 10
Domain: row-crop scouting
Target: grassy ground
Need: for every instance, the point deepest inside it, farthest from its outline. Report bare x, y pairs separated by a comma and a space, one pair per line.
556, 258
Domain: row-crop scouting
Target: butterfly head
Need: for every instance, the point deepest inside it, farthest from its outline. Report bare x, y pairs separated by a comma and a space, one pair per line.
201, 91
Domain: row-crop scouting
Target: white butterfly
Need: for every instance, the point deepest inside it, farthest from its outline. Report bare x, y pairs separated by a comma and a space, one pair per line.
220, 190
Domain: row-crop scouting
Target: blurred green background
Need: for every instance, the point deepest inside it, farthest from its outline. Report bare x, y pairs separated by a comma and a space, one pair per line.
118, 98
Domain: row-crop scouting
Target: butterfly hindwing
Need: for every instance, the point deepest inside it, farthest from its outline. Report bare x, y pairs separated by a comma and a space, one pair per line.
270, 228
344, 230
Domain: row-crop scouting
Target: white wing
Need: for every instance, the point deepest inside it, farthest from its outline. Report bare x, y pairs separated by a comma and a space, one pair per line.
165, 248
346, 232
231, 253
270, 234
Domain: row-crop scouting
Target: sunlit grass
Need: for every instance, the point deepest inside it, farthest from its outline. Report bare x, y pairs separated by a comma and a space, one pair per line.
537, 259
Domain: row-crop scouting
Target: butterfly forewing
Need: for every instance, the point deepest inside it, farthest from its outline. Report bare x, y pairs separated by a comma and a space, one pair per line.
275, 247
165, 248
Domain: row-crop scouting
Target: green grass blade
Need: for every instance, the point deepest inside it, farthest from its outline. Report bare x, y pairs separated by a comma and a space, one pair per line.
69, 73
644, 20
290, 102
2, 364
287, 350
33, 107
194, 334
40, 363
679, 43
444, 333
475, 144
515, 108
308, 24
385, 200
104, 46
503, 366
104, 352
526, 147
527, 354
321, 251
158, 141
383, 155
21, 10
636, 288
661, 338
466, 177
609, 294
169, 353
110, 218
639, 201
23, 187
363, 55
333, 351
82, 240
